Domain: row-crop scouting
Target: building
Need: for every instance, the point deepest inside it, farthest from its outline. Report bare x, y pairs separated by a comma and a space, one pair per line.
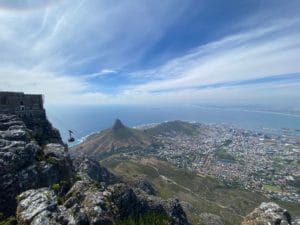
22, 105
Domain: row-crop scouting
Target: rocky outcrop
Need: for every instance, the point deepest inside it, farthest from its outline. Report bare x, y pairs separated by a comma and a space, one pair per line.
47, 187
41, 129
268, 214
24, 164
96, 197
92, 171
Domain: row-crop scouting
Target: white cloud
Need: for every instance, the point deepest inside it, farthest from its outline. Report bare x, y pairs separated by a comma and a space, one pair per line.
41, 47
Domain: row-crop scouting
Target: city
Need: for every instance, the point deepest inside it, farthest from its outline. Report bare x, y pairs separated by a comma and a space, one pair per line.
265, 163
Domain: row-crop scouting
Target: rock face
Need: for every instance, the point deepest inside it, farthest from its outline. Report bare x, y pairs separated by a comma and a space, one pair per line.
24, 164
268, 214
96, 197
44, 186
42, 129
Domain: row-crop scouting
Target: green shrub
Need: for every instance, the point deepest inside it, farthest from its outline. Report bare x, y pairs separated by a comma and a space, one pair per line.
60, 200
17, 198
55, 187
78, 177
8, 221
150, 218
40, 155
52, 160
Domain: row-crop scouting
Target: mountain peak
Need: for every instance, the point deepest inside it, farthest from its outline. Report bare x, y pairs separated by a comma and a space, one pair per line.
118, 125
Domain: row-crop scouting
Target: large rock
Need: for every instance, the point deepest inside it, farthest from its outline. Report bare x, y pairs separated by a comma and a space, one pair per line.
25, 165
268, 214
91, 170
97, 197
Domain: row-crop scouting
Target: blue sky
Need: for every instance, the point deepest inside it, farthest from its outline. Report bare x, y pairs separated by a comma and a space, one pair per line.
152, 51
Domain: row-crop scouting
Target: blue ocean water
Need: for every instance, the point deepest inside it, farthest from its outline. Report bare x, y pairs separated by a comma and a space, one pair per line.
85, 120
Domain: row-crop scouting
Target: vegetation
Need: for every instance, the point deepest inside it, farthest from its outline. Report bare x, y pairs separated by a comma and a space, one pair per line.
171, 127
202, 192
52, 160
60, 200
272, 188
40, 155
223, 155
55, 187
7, 221
151, 218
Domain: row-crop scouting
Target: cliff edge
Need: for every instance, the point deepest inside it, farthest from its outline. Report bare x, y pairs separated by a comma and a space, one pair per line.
40, 184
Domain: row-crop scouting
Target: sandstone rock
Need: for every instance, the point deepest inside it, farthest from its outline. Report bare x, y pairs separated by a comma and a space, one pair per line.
91, 170
24, 164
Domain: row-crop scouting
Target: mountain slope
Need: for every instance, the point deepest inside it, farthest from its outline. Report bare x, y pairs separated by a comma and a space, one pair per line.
198, 193
112, 139
173, 128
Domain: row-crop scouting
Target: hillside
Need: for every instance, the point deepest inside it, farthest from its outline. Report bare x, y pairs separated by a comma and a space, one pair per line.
107, 141
122, 138
172, 128
198, 193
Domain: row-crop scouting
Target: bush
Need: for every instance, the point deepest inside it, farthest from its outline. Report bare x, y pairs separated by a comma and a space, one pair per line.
60, 200
150, 218
40, 155
55, 187
52, 160
8, 221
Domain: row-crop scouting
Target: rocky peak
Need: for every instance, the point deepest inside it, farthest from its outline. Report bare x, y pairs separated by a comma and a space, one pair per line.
268, 213
118, 125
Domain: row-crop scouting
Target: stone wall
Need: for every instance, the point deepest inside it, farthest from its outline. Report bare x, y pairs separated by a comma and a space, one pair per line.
23, 105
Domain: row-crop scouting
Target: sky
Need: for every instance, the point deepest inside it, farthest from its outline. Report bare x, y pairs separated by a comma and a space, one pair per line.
89, 52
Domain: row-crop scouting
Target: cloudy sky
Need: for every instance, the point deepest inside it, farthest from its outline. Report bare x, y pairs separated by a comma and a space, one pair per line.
152, 51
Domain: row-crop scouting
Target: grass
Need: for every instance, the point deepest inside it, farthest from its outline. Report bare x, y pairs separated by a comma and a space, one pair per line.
7, 221
200, 193
150, 218
272, 188
56, 187
222, 154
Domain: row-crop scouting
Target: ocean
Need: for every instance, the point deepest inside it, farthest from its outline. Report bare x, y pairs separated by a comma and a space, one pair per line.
85, 120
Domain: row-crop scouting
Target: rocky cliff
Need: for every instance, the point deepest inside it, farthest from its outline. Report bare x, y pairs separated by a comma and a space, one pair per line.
40, 184
24, 164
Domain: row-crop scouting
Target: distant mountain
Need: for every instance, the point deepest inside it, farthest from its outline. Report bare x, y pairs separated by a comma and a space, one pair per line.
112, 139
173, 128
